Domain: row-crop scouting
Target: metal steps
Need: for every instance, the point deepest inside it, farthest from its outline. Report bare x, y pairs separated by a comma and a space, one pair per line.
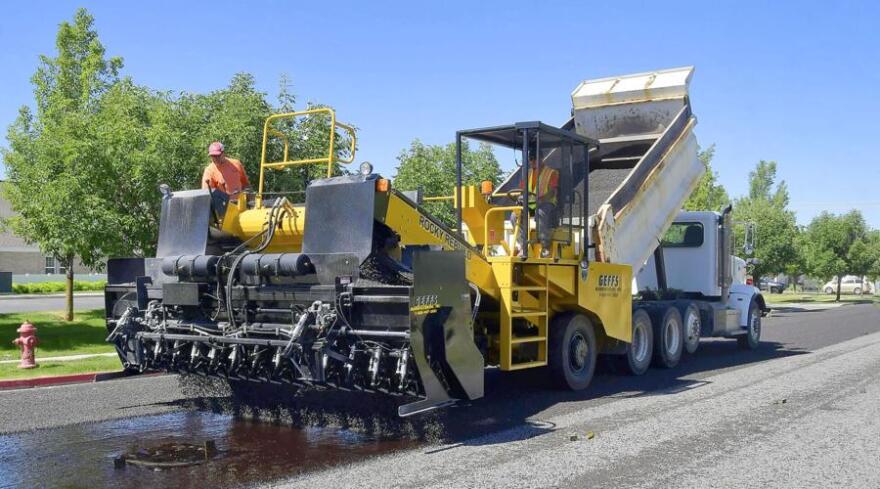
525, 301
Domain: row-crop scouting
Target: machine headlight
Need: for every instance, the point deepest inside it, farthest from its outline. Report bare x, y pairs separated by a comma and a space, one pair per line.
366, 168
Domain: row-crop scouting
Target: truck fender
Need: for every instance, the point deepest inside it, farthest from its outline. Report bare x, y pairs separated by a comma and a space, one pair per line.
741, 296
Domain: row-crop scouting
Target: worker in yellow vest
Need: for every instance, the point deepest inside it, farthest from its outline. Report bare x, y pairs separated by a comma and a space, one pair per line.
543, 196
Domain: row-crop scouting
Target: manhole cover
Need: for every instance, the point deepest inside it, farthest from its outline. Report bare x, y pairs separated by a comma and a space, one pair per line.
169, 455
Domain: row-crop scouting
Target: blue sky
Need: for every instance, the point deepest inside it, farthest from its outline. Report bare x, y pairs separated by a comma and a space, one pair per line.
774, 80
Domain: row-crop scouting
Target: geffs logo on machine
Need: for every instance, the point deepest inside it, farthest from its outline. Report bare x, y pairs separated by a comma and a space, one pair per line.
608, 285
424, 304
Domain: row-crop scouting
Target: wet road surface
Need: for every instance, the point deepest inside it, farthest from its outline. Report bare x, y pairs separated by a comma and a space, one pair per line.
247, 452
81, 436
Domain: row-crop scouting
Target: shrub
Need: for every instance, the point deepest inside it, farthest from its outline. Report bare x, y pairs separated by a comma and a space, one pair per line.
56, 287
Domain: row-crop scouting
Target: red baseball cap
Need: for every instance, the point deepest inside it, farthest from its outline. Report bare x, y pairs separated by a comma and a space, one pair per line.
215, 149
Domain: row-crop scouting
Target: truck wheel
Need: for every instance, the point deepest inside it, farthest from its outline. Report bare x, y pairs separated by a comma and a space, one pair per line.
638, 353
829, 290
752, 338
573, 351
693, 325
857, 291
668, 338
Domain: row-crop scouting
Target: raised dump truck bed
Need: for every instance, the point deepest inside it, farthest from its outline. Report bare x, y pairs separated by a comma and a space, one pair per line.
646, 164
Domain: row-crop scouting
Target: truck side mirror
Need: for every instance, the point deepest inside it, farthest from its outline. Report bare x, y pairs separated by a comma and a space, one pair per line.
749, 241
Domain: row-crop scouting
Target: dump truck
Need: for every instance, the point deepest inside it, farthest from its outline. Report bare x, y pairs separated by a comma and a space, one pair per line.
357, 286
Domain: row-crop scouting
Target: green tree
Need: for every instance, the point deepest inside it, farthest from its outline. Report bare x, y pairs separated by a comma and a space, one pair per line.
797, 265
837, 246
47, 150
709, 195
84, 170
874, 251
431, 169
776, 229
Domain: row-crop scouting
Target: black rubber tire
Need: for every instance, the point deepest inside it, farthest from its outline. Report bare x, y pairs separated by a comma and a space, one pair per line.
857, 291
829, 290
573, 351
638, 353
752, 338
692, 326
668, 337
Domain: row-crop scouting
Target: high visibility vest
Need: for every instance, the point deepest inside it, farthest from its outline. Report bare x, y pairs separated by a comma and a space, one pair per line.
541, 185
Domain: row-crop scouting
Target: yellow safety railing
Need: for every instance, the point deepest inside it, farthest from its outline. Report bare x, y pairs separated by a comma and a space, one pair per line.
286, 161
516, 229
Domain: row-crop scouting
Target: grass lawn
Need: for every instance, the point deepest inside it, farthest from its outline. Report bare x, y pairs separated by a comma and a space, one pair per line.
44, 369
809, 297
85, 334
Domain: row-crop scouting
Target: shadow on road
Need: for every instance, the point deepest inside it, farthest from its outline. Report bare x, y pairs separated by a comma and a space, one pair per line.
512, 398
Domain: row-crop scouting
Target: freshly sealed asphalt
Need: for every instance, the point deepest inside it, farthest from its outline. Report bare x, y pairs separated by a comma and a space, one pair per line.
801, 410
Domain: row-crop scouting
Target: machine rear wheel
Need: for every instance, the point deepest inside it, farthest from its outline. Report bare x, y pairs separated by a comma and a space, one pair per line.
640, 350
693, 325
573, 351
668, 337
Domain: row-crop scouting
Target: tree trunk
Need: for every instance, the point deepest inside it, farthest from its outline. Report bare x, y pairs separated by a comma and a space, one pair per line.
68, 310
839, 281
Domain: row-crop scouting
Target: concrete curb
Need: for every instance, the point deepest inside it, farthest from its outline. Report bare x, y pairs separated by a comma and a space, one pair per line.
62, 380
14, 297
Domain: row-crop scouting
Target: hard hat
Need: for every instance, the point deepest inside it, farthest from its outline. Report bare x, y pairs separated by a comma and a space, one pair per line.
215, 149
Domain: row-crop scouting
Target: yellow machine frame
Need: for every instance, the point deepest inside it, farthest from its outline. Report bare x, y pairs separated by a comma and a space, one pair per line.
528, 291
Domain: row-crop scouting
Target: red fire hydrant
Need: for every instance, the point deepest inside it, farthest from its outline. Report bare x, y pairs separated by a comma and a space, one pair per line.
27, 340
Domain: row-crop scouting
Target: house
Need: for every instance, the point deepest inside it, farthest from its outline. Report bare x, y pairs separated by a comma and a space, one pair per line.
21, 258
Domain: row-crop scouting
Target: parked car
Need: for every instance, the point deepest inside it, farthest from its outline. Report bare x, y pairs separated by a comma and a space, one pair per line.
850, 284
772, 286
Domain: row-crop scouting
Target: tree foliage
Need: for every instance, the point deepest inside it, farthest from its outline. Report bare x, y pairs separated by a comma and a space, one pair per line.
873, 241
709, 195
431, 169
51, 152
838, 245
85, 167
767, 207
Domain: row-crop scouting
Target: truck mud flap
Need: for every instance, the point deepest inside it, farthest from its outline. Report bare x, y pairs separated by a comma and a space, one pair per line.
449, 363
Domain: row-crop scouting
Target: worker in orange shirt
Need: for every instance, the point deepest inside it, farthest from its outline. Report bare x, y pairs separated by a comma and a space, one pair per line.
543, 193
224, 174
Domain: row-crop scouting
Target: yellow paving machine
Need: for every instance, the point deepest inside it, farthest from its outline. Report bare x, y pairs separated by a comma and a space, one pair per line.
356, 286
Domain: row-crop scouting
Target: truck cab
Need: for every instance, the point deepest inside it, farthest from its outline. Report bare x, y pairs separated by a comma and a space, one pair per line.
698, 263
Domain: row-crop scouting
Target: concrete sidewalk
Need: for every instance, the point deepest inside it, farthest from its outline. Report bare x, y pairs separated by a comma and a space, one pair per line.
807, 420
68, 358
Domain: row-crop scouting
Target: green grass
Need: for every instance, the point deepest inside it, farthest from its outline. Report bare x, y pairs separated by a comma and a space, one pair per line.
808, 297
85, 334
55, 287
45, 369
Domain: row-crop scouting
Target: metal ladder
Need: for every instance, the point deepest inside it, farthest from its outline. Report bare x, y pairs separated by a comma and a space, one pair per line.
529, 302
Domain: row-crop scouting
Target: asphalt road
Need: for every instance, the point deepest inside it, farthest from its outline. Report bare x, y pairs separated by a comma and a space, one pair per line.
10, 304
717, 420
